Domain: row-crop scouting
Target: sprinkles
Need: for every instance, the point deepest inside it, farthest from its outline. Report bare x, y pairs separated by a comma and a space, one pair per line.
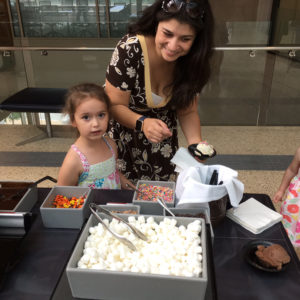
151, 192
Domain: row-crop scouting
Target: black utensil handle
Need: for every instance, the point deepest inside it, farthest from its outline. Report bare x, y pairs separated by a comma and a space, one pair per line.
214, 178
43, 179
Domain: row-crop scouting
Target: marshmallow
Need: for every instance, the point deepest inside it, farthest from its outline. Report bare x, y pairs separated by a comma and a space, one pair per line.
170, 250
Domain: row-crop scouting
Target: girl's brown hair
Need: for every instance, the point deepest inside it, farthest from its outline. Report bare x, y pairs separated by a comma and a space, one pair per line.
79, 93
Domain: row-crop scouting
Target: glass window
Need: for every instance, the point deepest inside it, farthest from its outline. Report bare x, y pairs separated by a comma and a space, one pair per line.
234, 89
286, 19
242, 90
242, 22
75, 18
284, 104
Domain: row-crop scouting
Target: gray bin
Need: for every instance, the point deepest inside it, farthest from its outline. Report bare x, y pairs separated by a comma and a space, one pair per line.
123, 207
108, 285
65, 217
29, 198
151, 207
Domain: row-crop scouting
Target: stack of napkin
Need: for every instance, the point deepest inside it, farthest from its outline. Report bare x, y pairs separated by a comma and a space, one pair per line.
254, 216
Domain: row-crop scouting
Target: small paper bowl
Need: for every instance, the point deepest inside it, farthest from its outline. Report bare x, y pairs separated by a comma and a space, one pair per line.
194, 152
53, 217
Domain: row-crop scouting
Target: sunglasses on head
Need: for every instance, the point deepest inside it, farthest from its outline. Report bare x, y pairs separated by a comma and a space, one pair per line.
193, 9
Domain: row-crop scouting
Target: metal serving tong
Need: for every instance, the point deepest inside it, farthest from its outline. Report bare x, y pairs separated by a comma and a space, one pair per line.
96, 208
161, 201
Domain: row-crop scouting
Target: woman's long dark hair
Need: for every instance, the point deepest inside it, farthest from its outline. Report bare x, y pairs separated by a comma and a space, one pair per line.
192, 70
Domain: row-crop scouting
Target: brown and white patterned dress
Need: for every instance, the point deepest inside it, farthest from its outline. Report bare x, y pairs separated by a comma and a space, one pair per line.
138, 158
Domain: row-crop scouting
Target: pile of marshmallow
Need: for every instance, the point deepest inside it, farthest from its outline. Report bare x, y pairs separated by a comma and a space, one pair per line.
170, 249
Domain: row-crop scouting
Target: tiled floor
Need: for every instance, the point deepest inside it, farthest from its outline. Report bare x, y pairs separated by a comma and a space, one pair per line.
259, 154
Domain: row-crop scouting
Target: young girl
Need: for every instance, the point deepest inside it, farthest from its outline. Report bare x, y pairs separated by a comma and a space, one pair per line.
290, 207
91, 160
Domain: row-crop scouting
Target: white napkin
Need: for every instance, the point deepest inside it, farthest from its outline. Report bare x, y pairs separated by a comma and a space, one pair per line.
183, 160
254, 216
192, 185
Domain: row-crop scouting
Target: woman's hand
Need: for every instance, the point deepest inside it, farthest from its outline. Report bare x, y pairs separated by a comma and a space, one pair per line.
156, 130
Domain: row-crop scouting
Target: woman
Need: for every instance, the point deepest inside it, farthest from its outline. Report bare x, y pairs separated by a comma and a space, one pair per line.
155, 74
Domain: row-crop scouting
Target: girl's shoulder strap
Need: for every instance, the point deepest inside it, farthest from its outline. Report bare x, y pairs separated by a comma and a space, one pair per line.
84, 161
109, 146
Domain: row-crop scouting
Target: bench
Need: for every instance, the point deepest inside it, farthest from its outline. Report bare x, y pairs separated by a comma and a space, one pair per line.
36, 100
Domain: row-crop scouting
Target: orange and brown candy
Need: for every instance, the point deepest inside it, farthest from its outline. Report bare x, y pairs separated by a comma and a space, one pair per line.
61, 201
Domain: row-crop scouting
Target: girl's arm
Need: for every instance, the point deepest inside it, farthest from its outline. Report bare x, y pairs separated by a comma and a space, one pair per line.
123, 179
70, 170
289, 174
189, 121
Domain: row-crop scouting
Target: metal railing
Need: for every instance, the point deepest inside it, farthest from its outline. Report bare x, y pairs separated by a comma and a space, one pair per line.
267, 69
229, 48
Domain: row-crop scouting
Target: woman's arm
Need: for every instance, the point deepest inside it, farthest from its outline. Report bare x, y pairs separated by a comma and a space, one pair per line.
117, 75
119, 106
189, 121
290, 172
154, 129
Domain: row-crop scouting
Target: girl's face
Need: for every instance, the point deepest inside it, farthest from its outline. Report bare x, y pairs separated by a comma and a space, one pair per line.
91, 118
173, 39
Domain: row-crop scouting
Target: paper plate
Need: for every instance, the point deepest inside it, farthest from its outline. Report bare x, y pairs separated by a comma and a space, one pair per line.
253, 260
